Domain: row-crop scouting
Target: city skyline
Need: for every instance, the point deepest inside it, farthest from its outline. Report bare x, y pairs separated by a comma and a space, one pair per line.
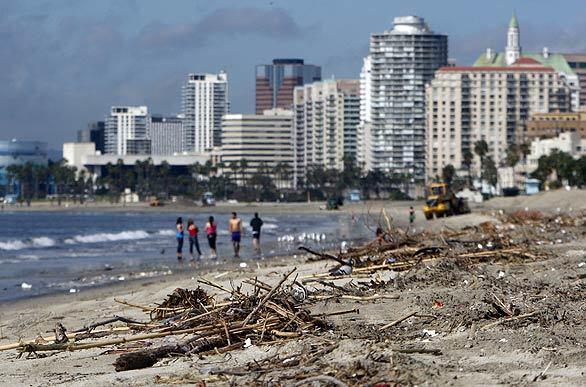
55, 49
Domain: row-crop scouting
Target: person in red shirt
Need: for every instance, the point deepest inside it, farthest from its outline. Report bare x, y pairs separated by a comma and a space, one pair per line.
193, 241
212, 233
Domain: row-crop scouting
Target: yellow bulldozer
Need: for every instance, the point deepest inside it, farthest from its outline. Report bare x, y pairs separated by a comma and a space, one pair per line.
441, 201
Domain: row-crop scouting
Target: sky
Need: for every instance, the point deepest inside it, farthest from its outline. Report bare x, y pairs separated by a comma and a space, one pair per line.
63, 63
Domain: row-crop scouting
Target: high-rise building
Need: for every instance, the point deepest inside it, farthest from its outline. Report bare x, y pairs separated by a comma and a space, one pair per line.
204, 101
364, 129
513, 52
126, 131
577, 63
326, 115
262, 141
403, 59
468, 104
275, 82
166, 135
94, 133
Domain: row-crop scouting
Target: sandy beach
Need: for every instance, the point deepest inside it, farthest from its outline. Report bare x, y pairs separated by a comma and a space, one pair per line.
550, 350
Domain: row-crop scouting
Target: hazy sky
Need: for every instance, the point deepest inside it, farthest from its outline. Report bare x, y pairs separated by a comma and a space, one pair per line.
64, 62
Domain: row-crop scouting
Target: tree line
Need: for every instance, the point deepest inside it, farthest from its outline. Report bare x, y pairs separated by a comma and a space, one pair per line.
552, 169
225, 180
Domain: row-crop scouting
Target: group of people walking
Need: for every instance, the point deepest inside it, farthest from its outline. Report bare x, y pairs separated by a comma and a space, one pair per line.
211, 231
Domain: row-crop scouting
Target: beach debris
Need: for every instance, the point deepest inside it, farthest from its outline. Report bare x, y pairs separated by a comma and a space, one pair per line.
218, 318
26, 286
60, 335
243, 265
345, 269
72, 290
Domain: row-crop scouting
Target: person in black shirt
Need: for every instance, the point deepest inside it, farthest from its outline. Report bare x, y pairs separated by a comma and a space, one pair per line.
256, 224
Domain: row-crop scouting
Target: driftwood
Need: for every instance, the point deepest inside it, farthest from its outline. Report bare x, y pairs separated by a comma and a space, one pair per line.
396, 322
148, 357
267, 297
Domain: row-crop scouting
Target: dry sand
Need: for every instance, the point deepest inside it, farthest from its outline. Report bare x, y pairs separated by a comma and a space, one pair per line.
506, 354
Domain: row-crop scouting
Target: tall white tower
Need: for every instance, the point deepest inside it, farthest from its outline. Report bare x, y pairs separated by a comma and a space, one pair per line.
204, 102
513, 50
404, 59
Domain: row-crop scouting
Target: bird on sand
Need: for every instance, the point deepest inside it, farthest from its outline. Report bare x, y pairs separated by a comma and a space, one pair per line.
345, 269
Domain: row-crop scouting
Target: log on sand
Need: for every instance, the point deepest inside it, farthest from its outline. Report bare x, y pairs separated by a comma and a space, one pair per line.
148, 357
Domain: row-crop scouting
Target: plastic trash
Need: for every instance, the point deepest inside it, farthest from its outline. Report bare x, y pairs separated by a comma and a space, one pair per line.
247, 343
72, 290
24, 285
501, 274
243, 265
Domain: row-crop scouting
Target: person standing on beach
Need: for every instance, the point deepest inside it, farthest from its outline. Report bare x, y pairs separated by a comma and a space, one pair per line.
411, 215
212, 233
235, 227
193, 230
179, 234
256, 223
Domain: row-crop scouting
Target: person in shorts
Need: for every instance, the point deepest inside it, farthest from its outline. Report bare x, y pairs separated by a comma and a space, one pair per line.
256, 224
235, 228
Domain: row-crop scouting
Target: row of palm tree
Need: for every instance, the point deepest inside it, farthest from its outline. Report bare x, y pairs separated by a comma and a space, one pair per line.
36, 181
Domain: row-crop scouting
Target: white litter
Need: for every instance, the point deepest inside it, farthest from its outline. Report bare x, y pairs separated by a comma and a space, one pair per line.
582, 264
72, 290
501, 274
503, 340
429, 333
24, 285
247, 343
243, 265
121, 278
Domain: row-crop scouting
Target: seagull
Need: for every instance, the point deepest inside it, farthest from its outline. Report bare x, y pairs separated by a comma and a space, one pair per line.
344, 247
345, 269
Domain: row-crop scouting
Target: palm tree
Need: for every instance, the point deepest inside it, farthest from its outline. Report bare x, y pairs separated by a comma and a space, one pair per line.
243, 169
448, 173
481, 149
467, 159
512, 155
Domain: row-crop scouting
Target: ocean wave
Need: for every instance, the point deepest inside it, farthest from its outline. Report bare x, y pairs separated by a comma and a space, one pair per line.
14, 245
108, 237
43, 242
166, 232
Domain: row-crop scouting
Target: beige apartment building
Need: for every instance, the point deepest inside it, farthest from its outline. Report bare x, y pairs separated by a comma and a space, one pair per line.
263, 141
549, 125
467, 104
326, 115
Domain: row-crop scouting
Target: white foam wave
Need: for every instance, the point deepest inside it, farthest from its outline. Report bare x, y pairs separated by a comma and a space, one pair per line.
13, 245
166, 232
108, 237
43, 242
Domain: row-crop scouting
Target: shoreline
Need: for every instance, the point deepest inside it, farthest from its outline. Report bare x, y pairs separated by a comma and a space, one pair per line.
221, 207
455, 293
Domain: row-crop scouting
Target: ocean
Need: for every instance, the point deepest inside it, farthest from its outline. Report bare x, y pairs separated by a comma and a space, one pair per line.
51, 252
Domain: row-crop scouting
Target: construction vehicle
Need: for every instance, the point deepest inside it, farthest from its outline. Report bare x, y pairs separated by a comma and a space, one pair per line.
155, 202
441, 201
